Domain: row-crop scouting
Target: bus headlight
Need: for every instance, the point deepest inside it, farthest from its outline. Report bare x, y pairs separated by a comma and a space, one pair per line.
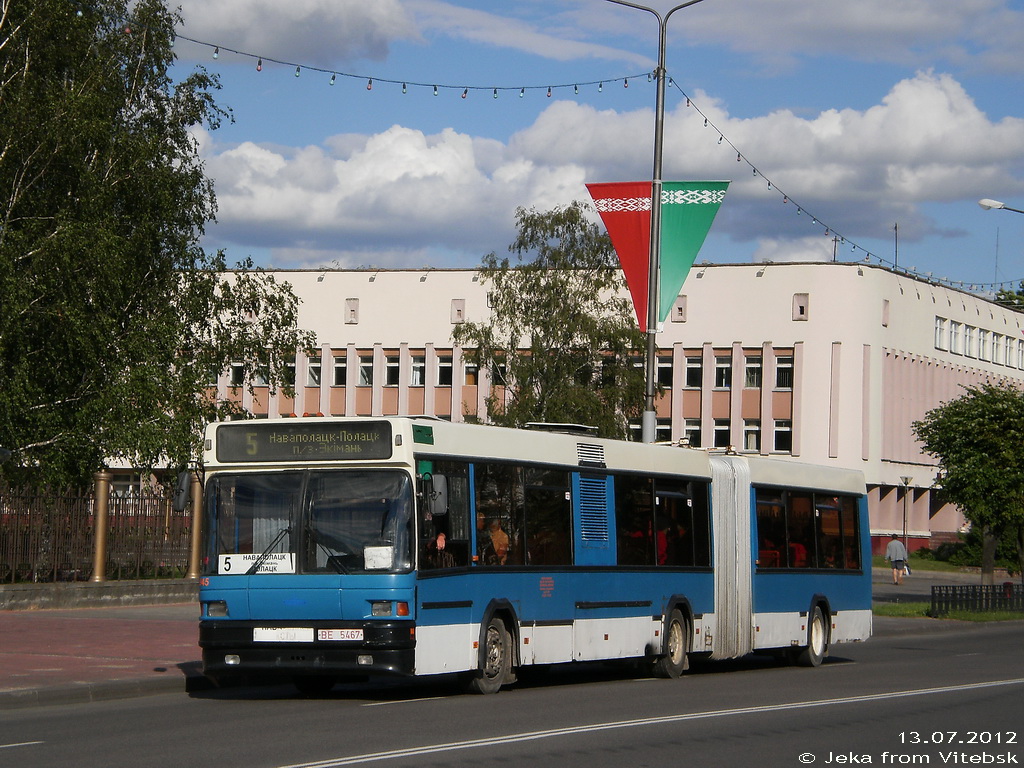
380, 608
216, 608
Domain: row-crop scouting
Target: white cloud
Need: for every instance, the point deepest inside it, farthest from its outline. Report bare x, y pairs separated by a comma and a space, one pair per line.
406, 194
324, 32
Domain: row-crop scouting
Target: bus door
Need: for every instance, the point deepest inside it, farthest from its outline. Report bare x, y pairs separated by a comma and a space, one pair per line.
730, 505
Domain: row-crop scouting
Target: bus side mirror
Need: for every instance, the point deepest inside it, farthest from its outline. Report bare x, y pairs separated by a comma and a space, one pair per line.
179, 503
435, 489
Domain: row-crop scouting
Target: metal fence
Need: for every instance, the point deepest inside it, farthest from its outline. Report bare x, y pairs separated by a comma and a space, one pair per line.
977, 597
49, 536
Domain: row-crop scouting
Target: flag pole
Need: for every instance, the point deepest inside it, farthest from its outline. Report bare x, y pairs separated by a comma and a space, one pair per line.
650, 419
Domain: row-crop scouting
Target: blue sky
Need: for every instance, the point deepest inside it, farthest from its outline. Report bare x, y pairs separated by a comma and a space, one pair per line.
862, 116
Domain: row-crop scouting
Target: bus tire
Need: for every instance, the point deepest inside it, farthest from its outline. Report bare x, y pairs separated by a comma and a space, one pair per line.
676, 658
495, 659
313, 686
816, 649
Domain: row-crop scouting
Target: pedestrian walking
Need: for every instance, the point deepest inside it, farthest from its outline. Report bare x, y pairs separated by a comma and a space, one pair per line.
896, 554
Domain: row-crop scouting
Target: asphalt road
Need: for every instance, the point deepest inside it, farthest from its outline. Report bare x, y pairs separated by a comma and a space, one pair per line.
919, 692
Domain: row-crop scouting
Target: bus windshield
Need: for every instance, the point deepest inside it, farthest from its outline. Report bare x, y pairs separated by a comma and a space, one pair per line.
323, 521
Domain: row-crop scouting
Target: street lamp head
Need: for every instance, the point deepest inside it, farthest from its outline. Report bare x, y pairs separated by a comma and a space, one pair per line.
990, 204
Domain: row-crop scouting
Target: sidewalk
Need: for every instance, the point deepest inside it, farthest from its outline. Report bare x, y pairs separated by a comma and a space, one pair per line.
90, 654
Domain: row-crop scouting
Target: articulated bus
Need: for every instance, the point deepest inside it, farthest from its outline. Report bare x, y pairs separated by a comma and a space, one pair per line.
343, 548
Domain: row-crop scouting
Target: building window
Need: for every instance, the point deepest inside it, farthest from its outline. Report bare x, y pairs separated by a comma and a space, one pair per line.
723, 371
1020, 353
954, 337
663, 431
752, 372
784, 372
458, 311
801, 302
351, 311
752, 434
969, 340
679, 310
997, 349
471, 375
444, 371
1008, 350
340, 375
721, 436
261, 375
365, 371
418, 372
784, 436
982, 344
691, 432
694, 371
236, 375
665, 371
289, 373
313, 372
499, 374
940, 332
392, 368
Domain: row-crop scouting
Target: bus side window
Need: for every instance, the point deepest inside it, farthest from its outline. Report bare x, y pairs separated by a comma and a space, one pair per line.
453, 549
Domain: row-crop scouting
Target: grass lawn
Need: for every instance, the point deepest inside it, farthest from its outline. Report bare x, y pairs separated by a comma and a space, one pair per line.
920, 611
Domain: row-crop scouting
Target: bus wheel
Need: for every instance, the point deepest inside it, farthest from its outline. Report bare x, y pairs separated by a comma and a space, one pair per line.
495, 659
817, 640
313, 685
676, 659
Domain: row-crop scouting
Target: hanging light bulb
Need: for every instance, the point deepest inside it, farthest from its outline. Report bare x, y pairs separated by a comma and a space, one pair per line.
625, 83
495, 93
369, 84
216, 50
738, 157
297, 70
549, 91
405, 88
334, 77
705, 122
576, 89
671, 82
522, 92
687, 101
650, 77
465, 92
259, 65
720, 139
435, 90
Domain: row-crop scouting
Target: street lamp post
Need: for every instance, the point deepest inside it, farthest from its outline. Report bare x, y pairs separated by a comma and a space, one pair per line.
986, 203
650, 420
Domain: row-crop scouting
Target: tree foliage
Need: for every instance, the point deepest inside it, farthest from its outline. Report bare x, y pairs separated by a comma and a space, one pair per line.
560, 343
979, 442
113, 317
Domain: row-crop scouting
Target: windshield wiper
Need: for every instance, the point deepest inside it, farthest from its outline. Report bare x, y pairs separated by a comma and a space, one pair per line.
266, 552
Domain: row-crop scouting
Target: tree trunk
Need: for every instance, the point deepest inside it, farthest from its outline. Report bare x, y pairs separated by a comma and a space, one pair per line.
1020, 553
989, 541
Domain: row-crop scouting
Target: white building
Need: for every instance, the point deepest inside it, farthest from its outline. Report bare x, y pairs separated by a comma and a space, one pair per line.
830, 363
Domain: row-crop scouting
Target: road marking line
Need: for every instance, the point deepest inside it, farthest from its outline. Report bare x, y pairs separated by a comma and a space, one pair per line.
21, 744
614, 725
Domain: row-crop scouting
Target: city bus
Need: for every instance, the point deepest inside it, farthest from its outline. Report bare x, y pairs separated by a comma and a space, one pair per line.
345, 548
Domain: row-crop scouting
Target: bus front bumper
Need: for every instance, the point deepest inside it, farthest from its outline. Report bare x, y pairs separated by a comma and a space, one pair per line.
279, 650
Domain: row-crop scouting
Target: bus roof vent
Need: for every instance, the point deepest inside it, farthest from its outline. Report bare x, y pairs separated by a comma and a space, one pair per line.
590, 454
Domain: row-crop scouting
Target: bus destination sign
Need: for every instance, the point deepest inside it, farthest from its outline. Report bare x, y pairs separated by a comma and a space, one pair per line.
270, 441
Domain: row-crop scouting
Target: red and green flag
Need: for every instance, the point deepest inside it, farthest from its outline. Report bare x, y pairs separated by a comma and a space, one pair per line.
687, 210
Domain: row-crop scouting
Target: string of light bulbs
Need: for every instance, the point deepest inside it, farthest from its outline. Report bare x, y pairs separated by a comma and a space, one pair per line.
406, 85
830, 231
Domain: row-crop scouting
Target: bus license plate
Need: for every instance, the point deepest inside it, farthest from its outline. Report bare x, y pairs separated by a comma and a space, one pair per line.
282, 634
339, 634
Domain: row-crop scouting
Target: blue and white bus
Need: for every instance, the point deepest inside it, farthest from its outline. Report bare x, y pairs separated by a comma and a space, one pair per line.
337, 548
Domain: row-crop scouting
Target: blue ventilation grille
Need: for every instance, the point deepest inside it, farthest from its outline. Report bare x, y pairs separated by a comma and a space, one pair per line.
593, 509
